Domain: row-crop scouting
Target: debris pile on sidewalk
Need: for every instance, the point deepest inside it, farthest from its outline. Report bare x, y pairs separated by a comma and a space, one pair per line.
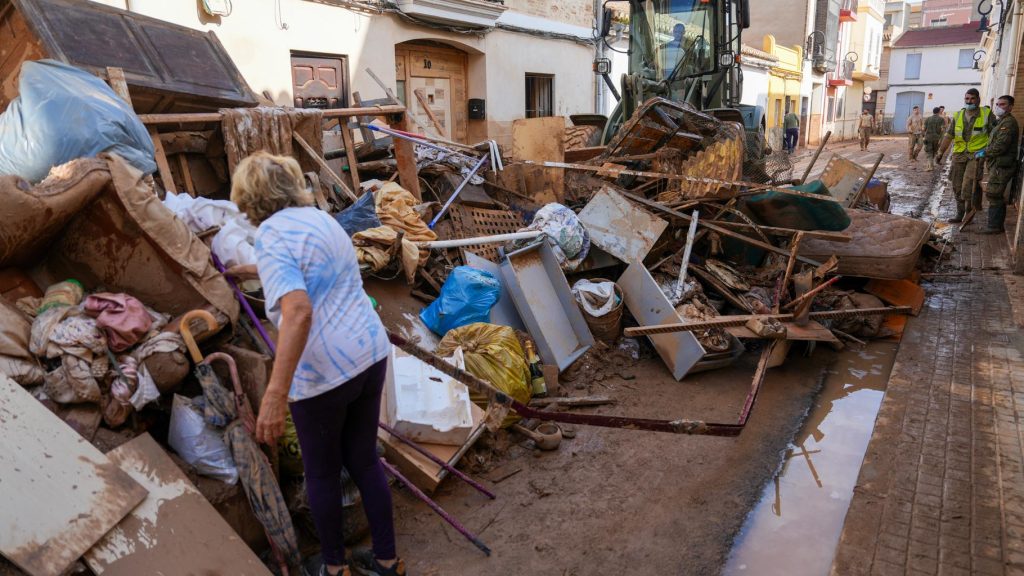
538, 281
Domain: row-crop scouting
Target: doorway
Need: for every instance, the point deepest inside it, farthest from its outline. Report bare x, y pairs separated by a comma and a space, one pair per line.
905, 102
432, 82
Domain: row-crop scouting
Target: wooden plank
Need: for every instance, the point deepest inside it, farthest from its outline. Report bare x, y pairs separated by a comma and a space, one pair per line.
540, 140
322, 164
175, 526
203, 117
163, 167
812, 332
405, 154
186, 174
59, 494
350, 154
115, 77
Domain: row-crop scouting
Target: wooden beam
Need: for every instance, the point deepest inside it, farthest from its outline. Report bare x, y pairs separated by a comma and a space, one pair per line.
162, 166
323, 166
350, 154
201, 117
115, 77
408, 174
186, 174
422, 99
716, 228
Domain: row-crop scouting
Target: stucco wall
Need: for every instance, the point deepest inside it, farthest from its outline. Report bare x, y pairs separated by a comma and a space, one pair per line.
784, 19
259, 44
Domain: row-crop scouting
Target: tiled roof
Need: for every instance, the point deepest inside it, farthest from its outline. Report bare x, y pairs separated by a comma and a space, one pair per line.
939, 36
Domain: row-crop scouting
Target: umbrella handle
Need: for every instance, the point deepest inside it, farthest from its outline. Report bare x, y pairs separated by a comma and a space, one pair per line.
232, 368
241, 400
186, 331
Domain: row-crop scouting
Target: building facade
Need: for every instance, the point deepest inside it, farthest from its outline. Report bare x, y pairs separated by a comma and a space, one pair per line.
931, 67
526, 57
949, 12
784, 86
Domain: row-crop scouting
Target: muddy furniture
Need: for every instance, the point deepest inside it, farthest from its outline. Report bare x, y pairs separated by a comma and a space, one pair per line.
168, 68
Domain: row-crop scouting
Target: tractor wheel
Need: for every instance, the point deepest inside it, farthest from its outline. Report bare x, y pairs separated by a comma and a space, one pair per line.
581, 137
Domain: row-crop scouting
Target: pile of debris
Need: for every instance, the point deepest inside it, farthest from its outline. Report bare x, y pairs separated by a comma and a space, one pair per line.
539, 273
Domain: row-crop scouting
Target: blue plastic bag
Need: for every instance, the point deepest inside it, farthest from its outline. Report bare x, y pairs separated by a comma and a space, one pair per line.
466, 297
361, 215
63, 113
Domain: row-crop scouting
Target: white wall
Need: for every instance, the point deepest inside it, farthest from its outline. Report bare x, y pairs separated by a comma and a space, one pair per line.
261, 49
938, 66
755, 86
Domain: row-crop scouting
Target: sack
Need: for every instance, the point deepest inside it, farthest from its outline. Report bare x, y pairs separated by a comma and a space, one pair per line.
596, 298
492, 353
63, 113
200, 444
466, 297
362, 215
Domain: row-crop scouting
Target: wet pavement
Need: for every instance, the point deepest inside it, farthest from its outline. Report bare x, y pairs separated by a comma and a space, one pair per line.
808, 499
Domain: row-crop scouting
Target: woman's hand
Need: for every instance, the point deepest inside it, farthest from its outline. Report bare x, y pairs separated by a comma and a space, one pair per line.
243, 272
270, 423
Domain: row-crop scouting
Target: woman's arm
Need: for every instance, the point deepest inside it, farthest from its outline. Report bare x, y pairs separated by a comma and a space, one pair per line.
296, 319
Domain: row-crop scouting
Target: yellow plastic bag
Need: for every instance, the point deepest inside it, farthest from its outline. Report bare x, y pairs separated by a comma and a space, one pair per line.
289, 453
493, 354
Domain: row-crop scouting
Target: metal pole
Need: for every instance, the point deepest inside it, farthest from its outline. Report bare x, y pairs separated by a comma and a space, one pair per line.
455, 194
479, 487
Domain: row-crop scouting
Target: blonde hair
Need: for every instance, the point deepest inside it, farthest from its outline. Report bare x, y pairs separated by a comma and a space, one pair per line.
264, 184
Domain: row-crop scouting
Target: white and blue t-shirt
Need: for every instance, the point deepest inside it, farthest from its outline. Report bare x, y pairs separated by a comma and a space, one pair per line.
306, 249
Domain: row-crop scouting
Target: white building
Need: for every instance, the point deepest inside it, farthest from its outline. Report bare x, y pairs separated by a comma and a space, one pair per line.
932, 67
525, 58
756, 66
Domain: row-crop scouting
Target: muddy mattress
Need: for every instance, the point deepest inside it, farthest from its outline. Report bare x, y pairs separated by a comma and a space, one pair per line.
883, 245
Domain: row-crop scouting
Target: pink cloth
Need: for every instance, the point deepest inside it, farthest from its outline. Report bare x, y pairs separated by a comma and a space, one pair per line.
121, 317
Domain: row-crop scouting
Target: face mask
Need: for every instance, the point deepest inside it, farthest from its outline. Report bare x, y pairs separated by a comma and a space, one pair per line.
970, 106
998, 111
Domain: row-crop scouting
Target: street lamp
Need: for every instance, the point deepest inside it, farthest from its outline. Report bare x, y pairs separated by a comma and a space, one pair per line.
983, 24
814, 49
978, 55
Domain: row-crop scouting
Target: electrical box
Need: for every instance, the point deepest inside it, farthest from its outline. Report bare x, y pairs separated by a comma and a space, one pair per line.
477, 110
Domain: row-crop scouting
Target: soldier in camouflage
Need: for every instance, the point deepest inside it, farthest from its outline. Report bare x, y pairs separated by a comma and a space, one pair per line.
968, 133
1001, 162
934, 126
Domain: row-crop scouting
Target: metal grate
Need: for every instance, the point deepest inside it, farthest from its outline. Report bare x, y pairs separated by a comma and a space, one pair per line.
468, 222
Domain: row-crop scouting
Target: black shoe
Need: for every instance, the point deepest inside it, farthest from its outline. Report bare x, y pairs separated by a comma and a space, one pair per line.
365, 563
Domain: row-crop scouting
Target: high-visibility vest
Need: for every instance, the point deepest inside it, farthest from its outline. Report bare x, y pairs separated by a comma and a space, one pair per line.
978, 138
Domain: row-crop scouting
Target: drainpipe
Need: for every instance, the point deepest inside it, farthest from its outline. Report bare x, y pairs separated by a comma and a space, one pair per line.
1010, 81
599, 94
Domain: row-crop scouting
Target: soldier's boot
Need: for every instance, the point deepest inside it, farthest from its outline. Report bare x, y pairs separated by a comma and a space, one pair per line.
961, 211
996, 215
931, 162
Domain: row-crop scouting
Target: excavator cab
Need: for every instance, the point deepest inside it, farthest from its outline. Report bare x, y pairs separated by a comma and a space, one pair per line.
684, 51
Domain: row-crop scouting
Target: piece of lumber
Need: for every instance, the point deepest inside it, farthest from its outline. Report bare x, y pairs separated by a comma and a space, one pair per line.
716, 228
811, 293
162, 166
405, 154
115, 77
322, 164
205, 117
740, 320
571, 402
174, 526
821, 146
422, 99
58, 494
813, 332
793, 248
350, 155
186, 174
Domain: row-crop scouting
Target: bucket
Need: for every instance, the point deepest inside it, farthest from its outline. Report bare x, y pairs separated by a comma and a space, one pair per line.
605, 328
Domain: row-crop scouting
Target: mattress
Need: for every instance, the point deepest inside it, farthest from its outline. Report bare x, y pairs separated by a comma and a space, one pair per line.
883, 246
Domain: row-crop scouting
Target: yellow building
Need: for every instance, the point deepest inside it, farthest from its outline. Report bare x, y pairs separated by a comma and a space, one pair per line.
783, 81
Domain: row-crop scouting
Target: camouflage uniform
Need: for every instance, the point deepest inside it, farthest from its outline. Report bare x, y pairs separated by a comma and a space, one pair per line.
1001, 163
964, 174
933, 128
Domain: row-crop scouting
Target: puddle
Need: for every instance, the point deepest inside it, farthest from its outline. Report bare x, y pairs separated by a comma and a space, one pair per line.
795, 527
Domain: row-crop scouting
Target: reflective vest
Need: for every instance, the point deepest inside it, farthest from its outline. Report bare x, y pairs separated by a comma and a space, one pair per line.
979, 136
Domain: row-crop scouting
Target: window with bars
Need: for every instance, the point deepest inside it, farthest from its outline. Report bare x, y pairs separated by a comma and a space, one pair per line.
540, 95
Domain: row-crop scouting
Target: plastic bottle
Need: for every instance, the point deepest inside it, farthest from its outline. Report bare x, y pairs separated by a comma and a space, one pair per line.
66, 293
537, 383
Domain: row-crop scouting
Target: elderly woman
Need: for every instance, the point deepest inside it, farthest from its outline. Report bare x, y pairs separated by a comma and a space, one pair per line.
331, 354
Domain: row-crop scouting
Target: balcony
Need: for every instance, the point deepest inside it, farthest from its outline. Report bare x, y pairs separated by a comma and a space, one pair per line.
844, 76
474, 13
848, 11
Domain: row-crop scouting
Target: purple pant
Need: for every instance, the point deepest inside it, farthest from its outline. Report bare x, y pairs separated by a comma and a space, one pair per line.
339, 428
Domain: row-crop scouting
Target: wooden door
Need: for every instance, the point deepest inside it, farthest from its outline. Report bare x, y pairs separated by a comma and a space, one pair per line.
319, 81
440, 74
